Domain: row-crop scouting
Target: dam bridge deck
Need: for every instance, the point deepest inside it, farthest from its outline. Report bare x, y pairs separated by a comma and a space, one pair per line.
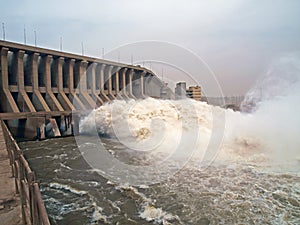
40, 86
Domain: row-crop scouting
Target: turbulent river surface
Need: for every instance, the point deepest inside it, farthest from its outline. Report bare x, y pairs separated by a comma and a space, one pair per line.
253, 178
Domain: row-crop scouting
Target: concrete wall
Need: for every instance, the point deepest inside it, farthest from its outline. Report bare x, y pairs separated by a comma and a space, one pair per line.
36, 81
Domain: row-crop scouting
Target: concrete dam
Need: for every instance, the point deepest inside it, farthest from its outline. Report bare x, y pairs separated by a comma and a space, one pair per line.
45, 92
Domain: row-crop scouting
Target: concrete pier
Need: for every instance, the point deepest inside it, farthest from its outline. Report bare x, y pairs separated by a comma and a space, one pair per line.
37, 82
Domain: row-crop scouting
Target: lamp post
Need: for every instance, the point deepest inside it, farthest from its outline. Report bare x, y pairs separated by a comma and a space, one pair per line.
82, 49
3, 29
60, 44
24, 35
35, 38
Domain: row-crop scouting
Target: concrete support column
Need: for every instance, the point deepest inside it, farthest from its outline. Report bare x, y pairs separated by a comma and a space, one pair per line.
124, 92
37, 99
80, 74
94, 94
117, 84
46, 71
142, 84
76, 103
58, 64
92, 72
8, 103
102, 92
62, 98
109, 80
102, 67
4, 68
70, 72
130, 76
18, 70
51, 100
33, 60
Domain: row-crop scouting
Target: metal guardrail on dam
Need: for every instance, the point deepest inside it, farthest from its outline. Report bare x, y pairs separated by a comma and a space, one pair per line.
33, 209
37, 85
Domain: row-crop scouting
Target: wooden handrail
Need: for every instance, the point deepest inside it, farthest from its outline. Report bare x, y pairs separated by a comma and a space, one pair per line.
40, 204
33, 208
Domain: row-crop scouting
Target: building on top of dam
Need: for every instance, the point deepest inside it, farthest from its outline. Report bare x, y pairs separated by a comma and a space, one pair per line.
193, 92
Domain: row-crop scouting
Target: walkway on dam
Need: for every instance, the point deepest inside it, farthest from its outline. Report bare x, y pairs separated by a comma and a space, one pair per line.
10, 204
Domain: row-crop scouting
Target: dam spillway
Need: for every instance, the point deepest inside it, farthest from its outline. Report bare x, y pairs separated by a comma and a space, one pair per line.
40, 86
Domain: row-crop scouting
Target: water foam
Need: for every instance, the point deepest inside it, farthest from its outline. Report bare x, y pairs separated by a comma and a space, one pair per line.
158, 127
157, 215
66, 188
147, 209
269, 135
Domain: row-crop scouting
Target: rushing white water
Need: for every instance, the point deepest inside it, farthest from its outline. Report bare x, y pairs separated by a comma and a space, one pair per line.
161, 127
154, 126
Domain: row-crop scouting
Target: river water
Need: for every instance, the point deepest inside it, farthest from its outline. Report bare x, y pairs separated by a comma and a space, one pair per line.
253, 179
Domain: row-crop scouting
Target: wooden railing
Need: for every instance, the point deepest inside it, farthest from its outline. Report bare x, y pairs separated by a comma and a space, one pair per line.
33, 209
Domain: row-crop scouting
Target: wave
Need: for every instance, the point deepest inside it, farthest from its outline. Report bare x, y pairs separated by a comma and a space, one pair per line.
66, 188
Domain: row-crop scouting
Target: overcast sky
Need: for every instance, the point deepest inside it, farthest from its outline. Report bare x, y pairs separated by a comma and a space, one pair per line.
238, 39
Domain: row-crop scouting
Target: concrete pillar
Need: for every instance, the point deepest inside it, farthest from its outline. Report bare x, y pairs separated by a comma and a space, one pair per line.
77, 104
62, 98
8, 103
130, 76
117, 84
109, 80
58, 64
18, 70
51, 100
33, 61
102, 77
37, 99
102, 92
124, 92
46, 71
94, 94
4, 68
142, 84
69, 74
80, 74
92, 71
